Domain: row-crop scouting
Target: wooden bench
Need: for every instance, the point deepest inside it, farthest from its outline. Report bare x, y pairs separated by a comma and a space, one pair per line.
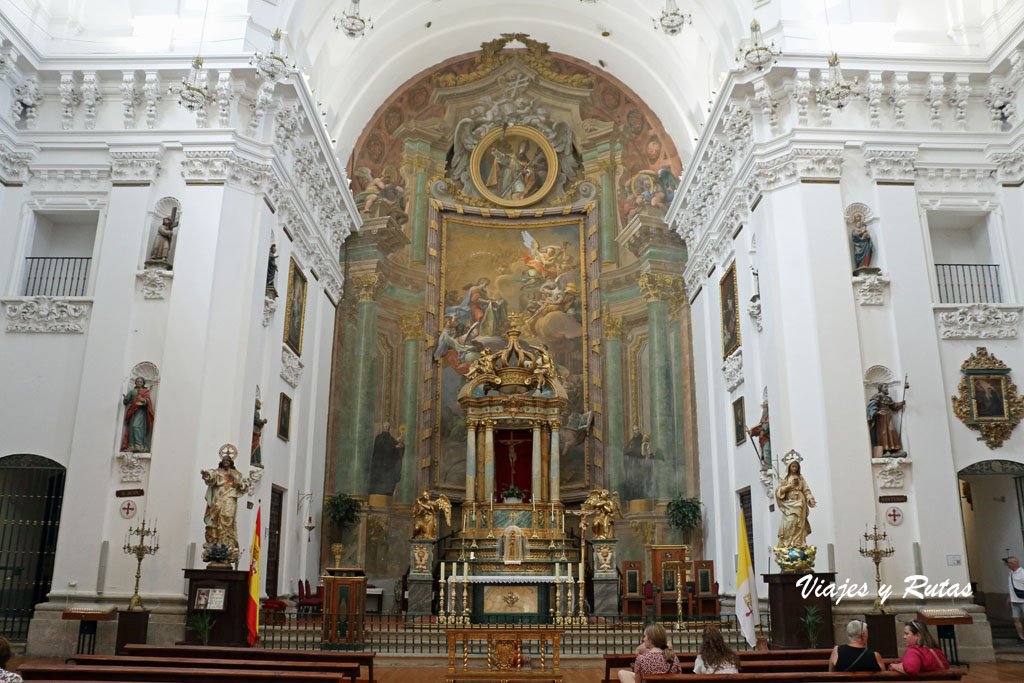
686, 659
149, 674
817, 677
349, 670
255, 654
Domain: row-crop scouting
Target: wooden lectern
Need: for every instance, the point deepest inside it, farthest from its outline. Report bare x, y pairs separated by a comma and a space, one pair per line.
344, 607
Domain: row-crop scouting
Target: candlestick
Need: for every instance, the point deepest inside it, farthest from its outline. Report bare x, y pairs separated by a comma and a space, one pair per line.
465, 593
876, 554
140, 550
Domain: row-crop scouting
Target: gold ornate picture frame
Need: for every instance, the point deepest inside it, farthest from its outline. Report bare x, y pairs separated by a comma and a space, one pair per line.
514, 158
728, 297
295, 308
988, 400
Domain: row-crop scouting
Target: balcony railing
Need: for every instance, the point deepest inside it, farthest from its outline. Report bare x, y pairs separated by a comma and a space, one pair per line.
56, 275
968, 283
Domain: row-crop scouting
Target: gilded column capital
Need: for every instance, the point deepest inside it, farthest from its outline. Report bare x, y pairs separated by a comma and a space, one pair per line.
489, 425
660, 286
555, 425
412, 325
611, 326
471, 425
536, 424
367, 285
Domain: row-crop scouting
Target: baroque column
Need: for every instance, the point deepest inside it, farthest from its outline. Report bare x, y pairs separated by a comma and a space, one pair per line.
343, 465
677, 462
489, 458
471, 460
614, 443
554, 457
657, 289
412, 333
536, 482
421, 156
600, 155
366, 285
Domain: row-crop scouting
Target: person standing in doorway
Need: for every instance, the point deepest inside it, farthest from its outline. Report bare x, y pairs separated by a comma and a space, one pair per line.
1016, 599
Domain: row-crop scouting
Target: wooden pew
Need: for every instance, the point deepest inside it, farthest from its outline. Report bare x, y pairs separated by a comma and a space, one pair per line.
254, 654
149, 674
815, 677
347, 669
686, 659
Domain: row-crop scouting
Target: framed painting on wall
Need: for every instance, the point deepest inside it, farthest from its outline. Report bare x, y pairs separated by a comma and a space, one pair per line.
729, 299
295, 308
739, 421
284, 417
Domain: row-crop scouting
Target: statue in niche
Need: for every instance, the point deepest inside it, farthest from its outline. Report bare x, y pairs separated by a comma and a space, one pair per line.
639, 466
795, 500
424, 514
159, 255
256, 459
224, 486
762, 431
386, 462
138, 419
863, 248
885, 438
512, 546
272, 272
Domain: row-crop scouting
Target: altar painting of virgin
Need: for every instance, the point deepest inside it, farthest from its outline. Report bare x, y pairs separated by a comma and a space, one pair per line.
489, 271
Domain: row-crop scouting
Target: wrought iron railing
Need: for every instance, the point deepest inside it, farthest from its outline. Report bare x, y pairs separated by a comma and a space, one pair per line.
397, 634
968, 283
56, 275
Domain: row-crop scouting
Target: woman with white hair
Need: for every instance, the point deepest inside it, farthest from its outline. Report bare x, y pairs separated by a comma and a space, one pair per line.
856, 656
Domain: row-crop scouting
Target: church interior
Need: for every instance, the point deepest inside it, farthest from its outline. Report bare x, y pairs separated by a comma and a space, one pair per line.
483, 335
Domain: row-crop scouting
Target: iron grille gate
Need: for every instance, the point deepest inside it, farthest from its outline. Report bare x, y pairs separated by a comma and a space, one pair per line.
31, 492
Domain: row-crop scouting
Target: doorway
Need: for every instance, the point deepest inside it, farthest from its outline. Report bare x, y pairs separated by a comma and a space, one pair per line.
274, 541
31, 494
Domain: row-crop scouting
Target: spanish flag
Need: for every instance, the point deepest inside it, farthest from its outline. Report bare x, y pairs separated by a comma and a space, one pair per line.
746, 589
252, 616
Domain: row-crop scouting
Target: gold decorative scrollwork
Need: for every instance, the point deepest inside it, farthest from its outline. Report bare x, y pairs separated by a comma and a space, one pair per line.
537, 57
988, 400
510, 598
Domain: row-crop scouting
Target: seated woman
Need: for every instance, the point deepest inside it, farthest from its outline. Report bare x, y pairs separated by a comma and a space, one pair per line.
653, 656
5, 654
922, 653
715, 656
856, 656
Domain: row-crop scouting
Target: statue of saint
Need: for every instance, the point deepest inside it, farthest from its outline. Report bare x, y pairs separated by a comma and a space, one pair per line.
881, 410
863, 249
256, 458
225, 485
138, 419
161, 250
424, 514
512, 546
762, 431
605, 507
272, 272
795, 500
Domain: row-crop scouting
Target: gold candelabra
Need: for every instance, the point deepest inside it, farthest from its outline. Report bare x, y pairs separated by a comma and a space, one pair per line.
140, 550
877, 553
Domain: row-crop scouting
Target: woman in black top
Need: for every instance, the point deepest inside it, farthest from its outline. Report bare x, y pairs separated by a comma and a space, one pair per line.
856, 656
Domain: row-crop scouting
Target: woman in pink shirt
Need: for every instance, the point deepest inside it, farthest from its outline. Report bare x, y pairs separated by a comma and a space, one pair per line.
922, 652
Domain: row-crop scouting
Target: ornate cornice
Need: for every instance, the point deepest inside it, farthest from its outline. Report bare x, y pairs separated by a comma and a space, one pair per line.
14, 165
135, 166
978, 321
892, 165
47, 314
801, 163
202, 166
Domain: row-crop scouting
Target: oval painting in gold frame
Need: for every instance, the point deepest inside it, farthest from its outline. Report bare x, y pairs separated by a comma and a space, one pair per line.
514, 167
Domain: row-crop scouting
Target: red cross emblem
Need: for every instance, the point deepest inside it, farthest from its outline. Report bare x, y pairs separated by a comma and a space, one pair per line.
894, 515
128, 509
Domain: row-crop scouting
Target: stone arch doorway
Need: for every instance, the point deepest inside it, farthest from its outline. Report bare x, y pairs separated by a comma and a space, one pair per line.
992, 508
31, 494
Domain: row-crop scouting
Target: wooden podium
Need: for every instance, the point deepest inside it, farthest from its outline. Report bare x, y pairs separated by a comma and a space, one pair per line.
224, 594
344, 607
788, 607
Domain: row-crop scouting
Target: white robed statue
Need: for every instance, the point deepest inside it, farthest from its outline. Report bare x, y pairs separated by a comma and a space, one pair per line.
512, 545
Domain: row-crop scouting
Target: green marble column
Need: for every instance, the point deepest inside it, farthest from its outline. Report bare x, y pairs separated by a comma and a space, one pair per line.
412, 333
609, 211
343, 466
614, 442
419, 218
363, 388
677, 463
657, 289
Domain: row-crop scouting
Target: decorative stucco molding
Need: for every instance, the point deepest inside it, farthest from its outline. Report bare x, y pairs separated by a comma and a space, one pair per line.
47, 314
978, 321
870, 289
13, 165
224, 166
154, 283
754, 309
135, 167
890, 165
291, 367
269, 306
132, 466
801, 163
732, 370
891, 474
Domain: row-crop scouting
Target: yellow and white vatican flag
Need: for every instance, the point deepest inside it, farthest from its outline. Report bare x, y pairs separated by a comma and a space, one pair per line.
746, 590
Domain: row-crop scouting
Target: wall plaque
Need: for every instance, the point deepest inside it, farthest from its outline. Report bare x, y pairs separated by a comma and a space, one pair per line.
129, 493
892, 499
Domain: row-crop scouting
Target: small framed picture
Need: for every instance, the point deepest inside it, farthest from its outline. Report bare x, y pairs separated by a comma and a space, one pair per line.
202, 598
295, 308
217, 598
988, 397
284, 417
739, 421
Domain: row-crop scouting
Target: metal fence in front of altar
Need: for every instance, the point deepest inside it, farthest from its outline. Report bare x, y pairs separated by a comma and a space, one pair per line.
397, 634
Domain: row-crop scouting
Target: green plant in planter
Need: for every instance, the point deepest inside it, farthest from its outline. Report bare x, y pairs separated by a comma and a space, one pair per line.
342, 509
684, 514
513, 492
202, 623
812, 624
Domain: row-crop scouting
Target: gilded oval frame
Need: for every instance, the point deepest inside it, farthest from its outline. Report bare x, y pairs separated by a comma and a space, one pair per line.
531, 134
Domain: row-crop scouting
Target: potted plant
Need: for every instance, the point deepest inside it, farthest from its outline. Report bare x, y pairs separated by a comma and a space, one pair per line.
684, 514
342, 509
513, 494
812, 624
201, 623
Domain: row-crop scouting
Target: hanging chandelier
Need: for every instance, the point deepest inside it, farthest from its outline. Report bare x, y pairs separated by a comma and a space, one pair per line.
758, 55
194, 93
672, 20
838, 92
271, 66
351, 22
